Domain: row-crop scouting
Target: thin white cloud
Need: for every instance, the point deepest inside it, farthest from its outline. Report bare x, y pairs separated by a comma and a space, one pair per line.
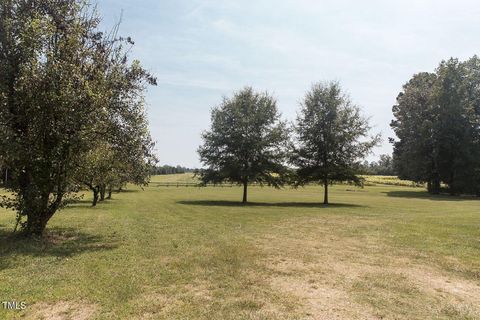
203, 49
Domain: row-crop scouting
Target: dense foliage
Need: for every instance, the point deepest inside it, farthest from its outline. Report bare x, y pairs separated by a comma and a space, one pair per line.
167, 169
437, 122
331, 137
382, 167
246, 142
66, 90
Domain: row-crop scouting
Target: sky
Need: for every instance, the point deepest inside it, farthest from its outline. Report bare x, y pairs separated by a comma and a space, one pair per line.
201, 51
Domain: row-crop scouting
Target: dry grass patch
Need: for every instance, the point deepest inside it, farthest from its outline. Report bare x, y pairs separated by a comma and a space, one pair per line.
62, 310
360, 277
320, 300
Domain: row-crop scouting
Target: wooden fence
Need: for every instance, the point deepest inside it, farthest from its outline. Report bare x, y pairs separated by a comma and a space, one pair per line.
190, 184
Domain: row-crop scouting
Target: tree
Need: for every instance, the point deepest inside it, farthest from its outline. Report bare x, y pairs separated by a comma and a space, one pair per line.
246, 142
98, 170
437, 126
167, 169
55, 100
124, 152
331, 138
384, 166
469, 173
106, 168
416, 152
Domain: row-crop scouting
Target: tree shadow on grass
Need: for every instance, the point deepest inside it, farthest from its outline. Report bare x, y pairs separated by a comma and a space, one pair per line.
428, 196
82, 203
57, 242
86, 204
127, 191
221, 203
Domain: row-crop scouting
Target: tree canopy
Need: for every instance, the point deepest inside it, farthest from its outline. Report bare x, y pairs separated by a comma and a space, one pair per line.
383, 166
331, 137
246, 142
64, 86
437, 123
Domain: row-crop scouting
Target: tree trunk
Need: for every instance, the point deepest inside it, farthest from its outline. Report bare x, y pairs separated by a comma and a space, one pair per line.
95, 196
102, 192
39, 215
436, 177
325, 189
452, 184
245, 185
435, 184
436, 187
36, 225
109, 196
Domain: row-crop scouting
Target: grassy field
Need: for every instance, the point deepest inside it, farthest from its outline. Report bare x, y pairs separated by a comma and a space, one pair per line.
369, 180
390, 180
382, 252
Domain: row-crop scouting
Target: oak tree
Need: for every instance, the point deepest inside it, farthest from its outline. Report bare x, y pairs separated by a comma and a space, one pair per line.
246, 142
331, 137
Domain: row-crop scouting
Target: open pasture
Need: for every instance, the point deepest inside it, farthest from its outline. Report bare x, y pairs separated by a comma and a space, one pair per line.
382, 252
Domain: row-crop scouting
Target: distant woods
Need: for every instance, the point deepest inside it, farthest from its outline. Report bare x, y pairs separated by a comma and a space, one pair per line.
71, 109
382, 167
166, 169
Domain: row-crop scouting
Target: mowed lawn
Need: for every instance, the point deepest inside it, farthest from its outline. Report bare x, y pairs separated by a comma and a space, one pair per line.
382, 252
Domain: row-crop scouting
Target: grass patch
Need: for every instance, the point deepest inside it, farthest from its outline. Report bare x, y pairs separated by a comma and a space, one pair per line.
196, 253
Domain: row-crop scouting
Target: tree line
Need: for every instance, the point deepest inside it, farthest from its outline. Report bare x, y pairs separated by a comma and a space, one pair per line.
167, 169
71, 108
382, 167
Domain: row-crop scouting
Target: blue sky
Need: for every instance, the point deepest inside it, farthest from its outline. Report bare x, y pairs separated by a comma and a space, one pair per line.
203, 50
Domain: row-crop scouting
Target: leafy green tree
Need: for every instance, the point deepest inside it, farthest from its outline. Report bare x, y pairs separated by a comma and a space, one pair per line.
246, 142
469, 169
167, 169
55, 100
98, 170
331, 138
384, 166
416, 154
452, 127
124, 152
437, 126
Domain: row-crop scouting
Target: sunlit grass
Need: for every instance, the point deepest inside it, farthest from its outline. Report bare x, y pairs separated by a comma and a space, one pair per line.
196, 253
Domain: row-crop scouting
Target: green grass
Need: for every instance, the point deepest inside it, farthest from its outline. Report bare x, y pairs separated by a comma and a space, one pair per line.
388, 252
